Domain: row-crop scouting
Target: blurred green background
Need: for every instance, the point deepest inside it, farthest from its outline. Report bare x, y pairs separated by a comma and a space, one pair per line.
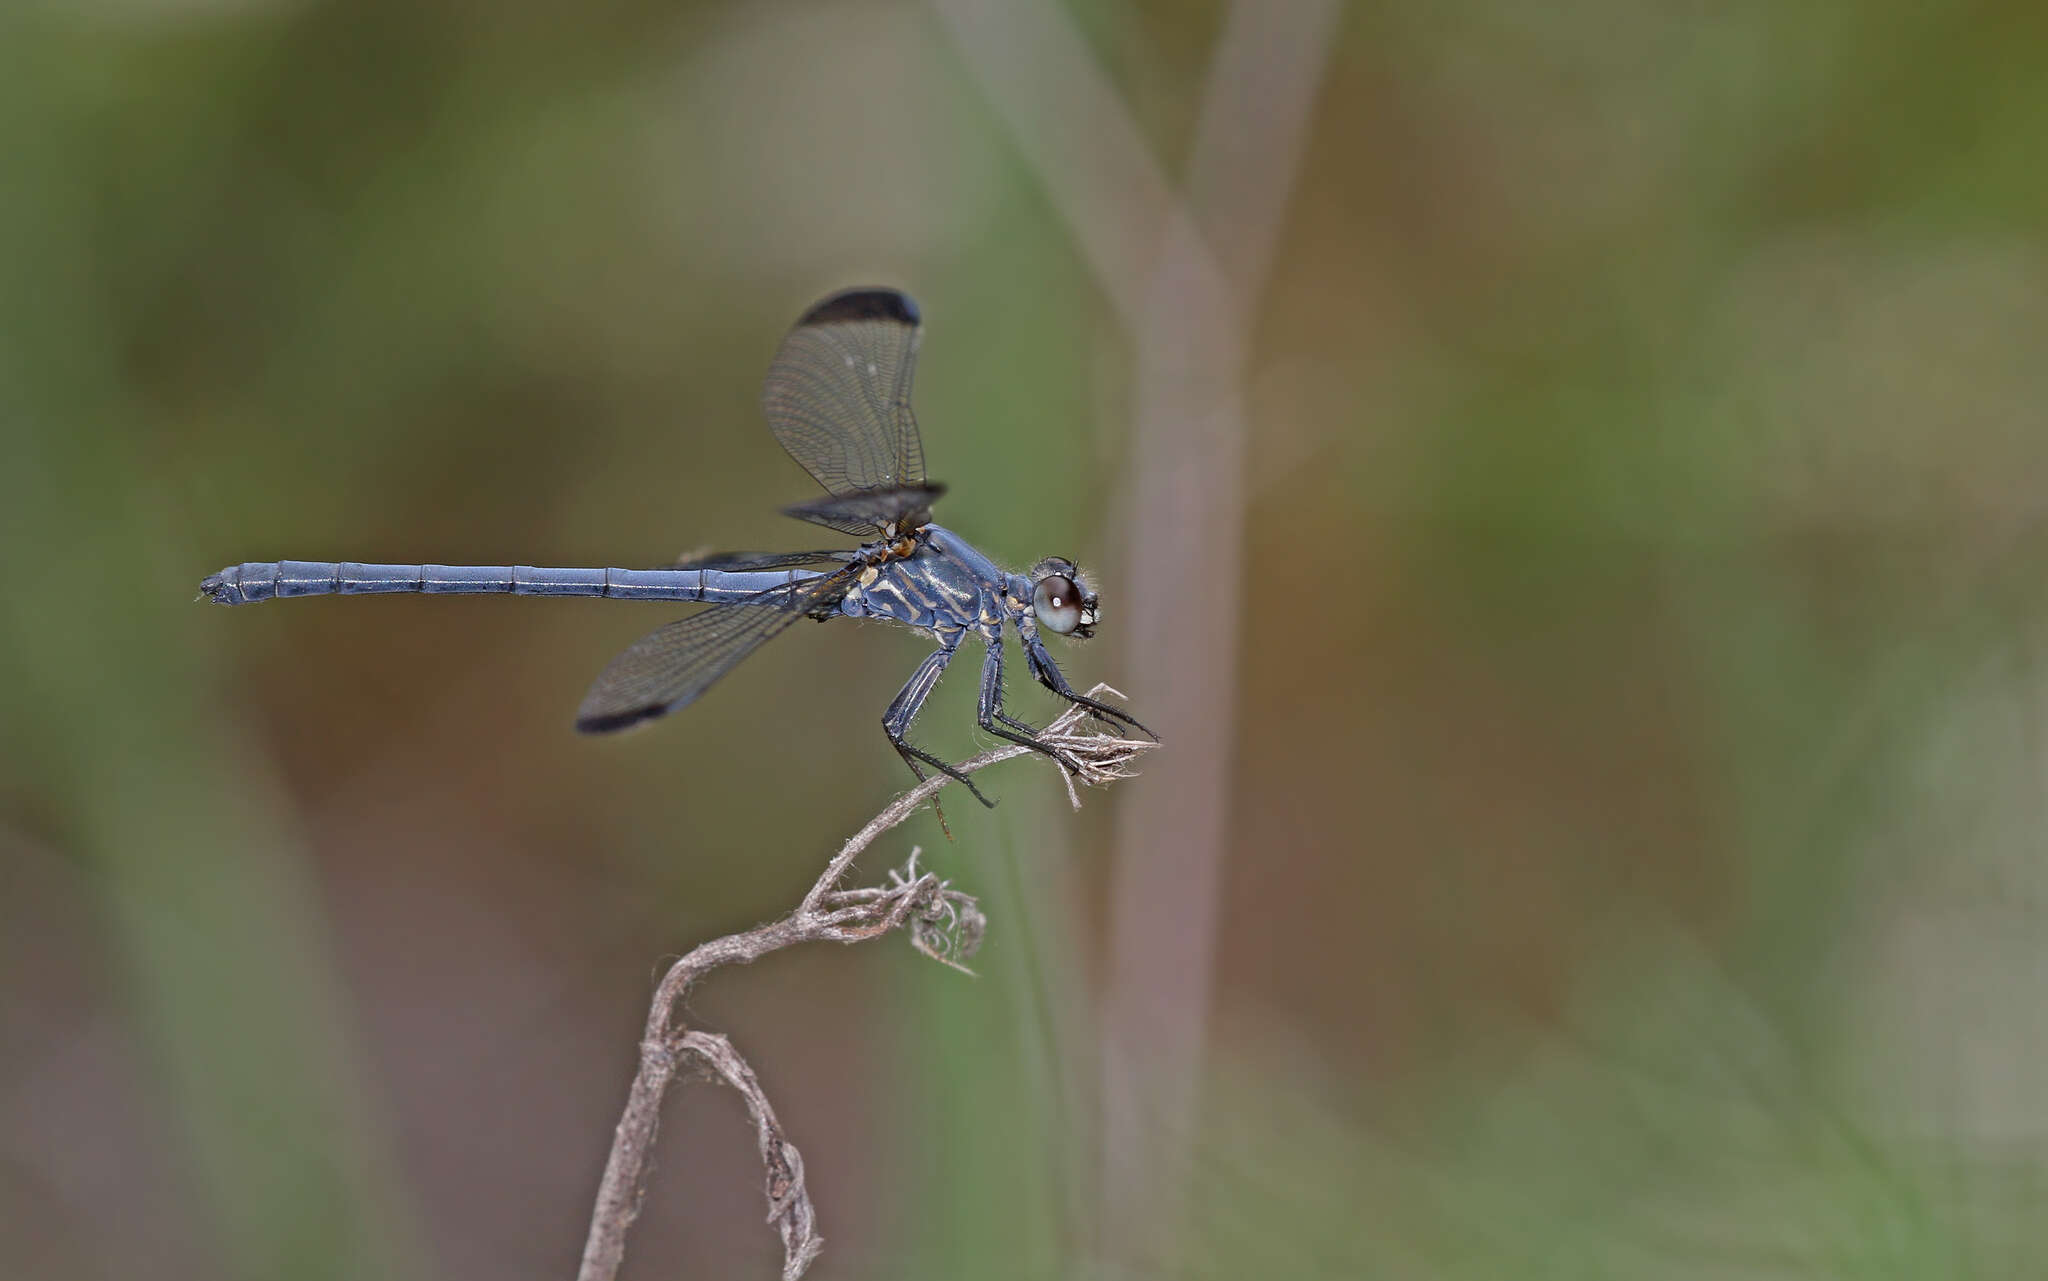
1637, 785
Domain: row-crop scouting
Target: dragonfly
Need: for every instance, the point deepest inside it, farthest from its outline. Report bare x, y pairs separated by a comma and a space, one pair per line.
837, 398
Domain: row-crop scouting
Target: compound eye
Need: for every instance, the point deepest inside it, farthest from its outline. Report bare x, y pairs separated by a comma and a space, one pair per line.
1057, 602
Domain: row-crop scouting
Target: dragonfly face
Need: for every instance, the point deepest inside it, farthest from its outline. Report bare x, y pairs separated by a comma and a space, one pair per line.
838, 400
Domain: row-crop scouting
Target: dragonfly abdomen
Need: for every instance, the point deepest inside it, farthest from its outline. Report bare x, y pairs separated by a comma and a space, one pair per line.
256, 581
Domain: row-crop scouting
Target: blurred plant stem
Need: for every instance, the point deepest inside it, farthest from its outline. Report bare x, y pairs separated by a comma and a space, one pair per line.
247, 1047
1184, 274
247, 1043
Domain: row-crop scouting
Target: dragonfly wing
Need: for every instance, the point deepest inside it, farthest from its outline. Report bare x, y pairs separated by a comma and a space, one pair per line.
838, 392
869, 511
762, 560
671, 666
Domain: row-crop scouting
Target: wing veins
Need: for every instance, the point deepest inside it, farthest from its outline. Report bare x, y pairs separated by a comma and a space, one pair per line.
672, 666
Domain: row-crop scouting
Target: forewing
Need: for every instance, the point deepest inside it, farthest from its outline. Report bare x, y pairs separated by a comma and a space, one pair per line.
670, 666
762, 560
838, 392
869, 511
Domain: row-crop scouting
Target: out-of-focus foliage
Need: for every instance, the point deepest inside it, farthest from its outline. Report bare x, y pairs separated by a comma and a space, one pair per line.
1637, 859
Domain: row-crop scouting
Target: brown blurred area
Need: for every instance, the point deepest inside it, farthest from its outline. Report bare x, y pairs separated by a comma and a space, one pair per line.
1629, 861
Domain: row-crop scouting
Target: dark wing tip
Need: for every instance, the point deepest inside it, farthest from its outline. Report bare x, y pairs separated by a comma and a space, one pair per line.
868, 302
608, 722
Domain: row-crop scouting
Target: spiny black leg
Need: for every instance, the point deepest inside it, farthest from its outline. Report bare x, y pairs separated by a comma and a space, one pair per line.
1022, 727
909, 752
1049, 675
990, 713
903, 709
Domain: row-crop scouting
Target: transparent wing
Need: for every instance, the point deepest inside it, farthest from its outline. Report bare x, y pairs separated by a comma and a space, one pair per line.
870, 511
671, 666
762, 560
838, 392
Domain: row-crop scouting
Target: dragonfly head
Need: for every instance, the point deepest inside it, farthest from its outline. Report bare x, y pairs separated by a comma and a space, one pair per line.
1062, 598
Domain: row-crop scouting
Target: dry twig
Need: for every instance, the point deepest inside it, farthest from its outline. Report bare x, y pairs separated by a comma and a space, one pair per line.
945, 924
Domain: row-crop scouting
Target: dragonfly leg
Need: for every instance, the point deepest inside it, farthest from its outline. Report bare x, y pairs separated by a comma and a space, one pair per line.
1022, 727
991, 718
1049, 675
903, 709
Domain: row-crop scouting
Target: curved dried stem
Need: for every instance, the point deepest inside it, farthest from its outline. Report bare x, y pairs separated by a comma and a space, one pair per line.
944, 923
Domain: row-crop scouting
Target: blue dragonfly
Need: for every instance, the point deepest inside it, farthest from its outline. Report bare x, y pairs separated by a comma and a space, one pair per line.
838, 399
